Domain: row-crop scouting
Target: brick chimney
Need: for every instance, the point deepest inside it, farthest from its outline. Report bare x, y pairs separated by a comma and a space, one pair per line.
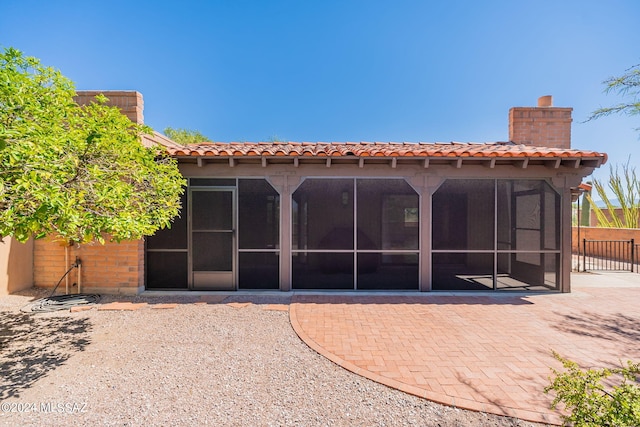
541, 126
128, 101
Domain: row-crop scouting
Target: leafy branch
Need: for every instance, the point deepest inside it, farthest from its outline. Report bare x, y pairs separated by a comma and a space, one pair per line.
608, 397
626, 188
627, 85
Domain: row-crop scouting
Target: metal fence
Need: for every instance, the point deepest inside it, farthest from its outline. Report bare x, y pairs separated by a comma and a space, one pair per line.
610, 255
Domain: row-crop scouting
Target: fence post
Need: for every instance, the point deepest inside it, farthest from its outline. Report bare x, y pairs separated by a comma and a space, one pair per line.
584, 254
633, 259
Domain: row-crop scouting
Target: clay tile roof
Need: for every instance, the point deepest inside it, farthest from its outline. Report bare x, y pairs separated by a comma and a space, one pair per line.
368, 149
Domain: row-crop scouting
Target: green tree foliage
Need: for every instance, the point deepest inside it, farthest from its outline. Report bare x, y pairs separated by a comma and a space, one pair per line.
626, 189
627, 85
185, 136
76, 173
597, 397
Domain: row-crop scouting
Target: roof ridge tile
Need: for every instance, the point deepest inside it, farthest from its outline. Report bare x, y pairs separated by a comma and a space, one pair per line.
378, 149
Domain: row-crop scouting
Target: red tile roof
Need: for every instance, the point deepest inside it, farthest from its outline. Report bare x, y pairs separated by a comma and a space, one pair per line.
374, 149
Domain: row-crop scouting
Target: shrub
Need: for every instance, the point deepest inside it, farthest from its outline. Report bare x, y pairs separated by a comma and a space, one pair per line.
597, 397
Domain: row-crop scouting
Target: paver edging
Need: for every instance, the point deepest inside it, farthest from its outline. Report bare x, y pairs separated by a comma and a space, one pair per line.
436, 397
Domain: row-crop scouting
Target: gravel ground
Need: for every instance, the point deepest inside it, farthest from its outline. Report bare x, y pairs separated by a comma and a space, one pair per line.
194, 365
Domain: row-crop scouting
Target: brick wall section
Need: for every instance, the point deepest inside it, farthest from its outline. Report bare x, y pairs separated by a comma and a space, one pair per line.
110, 268
113, 268
602, 233
129, 102
594, 219
540, 126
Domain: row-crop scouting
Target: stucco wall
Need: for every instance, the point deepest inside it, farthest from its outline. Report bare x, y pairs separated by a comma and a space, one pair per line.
16, 266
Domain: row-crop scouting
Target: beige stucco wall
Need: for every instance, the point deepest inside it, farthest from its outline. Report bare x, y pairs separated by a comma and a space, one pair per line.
16, 266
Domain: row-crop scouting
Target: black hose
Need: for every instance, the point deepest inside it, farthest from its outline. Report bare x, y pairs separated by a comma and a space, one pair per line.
61, 302
62, 278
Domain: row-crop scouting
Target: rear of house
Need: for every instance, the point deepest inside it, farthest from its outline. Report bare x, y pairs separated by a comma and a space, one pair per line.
354, 216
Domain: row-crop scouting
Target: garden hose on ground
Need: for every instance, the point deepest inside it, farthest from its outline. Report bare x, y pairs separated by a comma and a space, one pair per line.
61, 302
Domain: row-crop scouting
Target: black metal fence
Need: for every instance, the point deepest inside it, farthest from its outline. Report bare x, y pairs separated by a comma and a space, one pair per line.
609, 255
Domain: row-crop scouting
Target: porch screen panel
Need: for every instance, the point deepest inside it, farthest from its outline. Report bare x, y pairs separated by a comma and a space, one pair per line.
529, 226
543, 278
210, 210
323, 238
551, 223
463, 221
259, 235
166, 270
387, 271
474, 272
166, 254
528, 215
388, 215
171, 238
463, 215
212, 251
258, 215
322, 270
507, 239
323, 214
259, 270
388, 238
355, 234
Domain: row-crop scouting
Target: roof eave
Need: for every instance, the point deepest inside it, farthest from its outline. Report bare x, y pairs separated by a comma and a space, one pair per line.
554, 162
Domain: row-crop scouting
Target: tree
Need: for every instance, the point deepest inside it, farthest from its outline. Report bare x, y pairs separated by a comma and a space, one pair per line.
185, 136
626, 188
276, 138
76, 173
627, 85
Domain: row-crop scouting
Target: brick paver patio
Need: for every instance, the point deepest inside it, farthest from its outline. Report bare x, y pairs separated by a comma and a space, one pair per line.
488, 353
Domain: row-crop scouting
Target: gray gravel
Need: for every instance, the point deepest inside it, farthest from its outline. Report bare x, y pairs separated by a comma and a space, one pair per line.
193, 365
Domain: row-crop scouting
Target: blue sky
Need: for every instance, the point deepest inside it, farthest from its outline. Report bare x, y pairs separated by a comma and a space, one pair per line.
344, 70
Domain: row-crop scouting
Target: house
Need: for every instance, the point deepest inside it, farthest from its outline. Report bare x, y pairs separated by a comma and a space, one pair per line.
361, 216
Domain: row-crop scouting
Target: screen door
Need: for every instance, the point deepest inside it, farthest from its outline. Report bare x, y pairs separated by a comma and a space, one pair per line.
213, 239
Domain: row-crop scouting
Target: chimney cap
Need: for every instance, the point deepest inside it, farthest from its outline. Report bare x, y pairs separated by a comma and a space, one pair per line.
545, 101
